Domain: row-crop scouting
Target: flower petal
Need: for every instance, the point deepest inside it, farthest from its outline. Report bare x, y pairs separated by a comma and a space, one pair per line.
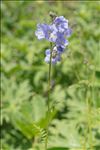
47, 52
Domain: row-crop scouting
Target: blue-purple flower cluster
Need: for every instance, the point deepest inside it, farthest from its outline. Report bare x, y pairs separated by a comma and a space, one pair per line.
57, 32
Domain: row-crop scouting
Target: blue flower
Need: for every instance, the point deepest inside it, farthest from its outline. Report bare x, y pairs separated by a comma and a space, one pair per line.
60, 49
68, 32
52, 33
56, 56
46, 31
61, 23
40, 32
61, 40
57, 32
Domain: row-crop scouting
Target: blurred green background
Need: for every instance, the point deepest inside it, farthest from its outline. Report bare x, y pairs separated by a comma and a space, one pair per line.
24, 77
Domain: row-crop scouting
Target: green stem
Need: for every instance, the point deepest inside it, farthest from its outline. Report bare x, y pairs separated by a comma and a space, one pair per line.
76, 72
89, 121
48, 101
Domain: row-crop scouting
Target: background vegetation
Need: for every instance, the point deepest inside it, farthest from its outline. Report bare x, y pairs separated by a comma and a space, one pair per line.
24, 76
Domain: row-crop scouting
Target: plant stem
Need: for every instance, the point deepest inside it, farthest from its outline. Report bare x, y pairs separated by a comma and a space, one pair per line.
89, 121
48, 101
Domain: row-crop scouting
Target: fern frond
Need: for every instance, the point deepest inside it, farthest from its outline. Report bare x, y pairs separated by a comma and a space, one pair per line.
41, 132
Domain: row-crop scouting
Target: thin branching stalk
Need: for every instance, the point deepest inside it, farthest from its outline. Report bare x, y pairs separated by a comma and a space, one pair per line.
48, 101
90, 106
89, 121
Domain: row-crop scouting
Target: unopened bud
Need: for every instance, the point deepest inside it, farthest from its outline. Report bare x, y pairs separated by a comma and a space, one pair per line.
52, 15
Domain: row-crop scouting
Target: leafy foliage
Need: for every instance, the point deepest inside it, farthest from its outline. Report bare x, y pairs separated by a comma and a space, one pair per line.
24, 77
